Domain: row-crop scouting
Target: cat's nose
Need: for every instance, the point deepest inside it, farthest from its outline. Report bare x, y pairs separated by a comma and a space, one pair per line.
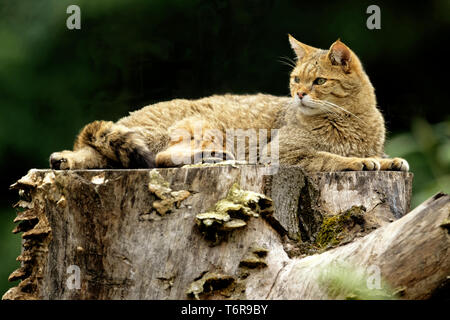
301, 94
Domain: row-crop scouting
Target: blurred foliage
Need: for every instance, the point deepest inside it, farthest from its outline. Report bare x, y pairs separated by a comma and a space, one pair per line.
130, 53
343, 281
9, 249
427, 149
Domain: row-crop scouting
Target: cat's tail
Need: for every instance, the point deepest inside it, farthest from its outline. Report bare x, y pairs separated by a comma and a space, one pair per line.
103, 144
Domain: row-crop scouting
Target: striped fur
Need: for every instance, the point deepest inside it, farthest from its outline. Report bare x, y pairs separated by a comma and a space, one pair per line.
328, 124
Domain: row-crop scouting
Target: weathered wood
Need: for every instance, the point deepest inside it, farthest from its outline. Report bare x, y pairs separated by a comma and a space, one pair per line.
138, 234
412, 254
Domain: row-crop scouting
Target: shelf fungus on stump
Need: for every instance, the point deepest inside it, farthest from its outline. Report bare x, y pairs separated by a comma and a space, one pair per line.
233, 212
162, 190
210, 283
254, 258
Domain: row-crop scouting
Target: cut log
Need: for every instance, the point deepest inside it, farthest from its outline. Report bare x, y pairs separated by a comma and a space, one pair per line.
225, 232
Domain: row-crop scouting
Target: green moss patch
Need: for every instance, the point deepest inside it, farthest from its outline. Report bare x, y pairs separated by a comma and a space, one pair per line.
335, 228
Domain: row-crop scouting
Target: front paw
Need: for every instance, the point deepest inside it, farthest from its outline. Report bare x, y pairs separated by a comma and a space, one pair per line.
363, 164
396, 164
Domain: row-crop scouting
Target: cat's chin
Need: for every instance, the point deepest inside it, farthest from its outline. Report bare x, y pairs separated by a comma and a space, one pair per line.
305, 109
308, 111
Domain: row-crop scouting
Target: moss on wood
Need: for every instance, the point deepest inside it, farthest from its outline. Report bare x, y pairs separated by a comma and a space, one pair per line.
333, 229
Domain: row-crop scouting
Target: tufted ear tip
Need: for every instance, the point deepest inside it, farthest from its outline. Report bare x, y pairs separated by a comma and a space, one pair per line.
300, 49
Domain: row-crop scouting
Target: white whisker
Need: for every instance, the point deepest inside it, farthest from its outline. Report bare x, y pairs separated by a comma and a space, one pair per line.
287, 62
330, 104
327, 109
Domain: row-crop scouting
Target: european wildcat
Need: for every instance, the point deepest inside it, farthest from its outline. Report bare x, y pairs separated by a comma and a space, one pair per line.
331, 122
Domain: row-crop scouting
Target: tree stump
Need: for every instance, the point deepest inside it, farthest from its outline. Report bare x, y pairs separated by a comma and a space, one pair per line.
226, 232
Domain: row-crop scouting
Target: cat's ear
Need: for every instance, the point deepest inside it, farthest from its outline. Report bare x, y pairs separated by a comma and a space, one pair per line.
300, 49
340, 54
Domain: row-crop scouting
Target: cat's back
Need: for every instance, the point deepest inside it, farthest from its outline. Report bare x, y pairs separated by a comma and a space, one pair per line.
232, 110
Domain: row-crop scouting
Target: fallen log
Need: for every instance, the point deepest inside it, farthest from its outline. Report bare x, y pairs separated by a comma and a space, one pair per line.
412, 255
225, 232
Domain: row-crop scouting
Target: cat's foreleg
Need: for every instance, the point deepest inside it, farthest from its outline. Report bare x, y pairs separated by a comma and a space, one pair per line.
313, 161
103, 144
319, 161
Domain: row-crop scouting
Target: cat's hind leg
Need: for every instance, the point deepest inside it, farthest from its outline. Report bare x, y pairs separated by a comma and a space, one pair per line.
193, 140
103, 144
84, 158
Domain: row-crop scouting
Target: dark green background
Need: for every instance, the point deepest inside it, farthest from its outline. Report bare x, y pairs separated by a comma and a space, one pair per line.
131, 53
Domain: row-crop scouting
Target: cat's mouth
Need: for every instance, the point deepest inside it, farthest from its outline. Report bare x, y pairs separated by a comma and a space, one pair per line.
307, 106
303, 102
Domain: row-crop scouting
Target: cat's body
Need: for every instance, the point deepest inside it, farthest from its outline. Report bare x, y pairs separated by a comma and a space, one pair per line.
331, 124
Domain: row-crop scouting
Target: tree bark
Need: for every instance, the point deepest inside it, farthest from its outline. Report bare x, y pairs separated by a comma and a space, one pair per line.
226, 232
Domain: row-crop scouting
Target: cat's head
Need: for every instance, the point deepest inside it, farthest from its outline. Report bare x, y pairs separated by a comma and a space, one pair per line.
329, 81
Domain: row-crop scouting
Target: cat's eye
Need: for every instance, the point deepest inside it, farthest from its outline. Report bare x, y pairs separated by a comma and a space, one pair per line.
320, 81
296, 79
